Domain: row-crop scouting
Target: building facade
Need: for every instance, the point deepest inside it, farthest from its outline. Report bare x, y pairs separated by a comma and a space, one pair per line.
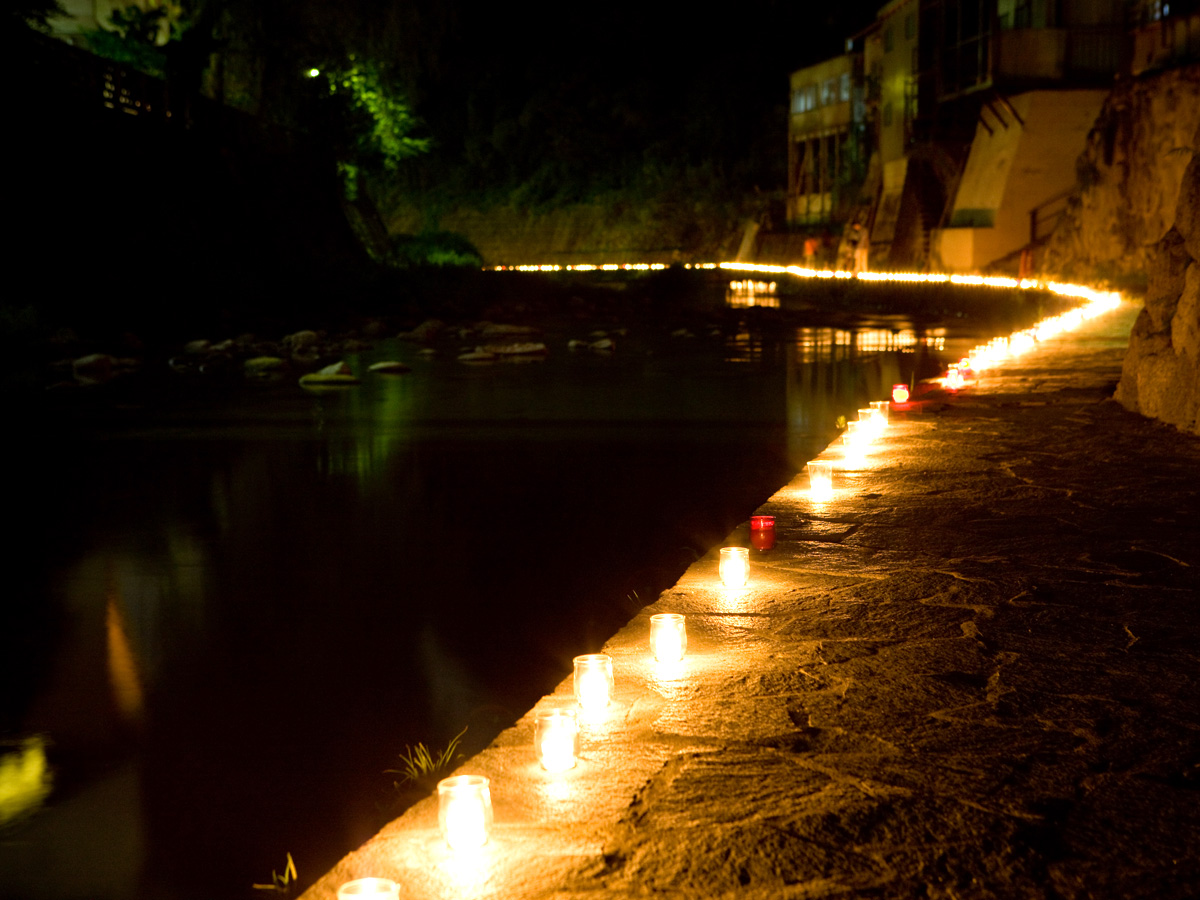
826, 143
974, 112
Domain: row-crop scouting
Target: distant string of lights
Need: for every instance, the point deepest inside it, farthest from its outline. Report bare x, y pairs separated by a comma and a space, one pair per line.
590, 267
996, 281
982, 357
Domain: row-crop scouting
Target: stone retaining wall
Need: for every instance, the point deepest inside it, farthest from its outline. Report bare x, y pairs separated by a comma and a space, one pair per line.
1161, 374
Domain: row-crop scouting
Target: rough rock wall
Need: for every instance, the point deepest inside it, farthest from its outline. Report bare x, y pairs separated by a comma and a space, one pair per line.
1129, 175
1161, 373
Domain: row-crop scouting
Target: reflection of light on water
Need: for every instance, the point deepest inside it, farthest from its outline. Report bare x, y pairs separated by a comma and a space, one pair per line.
25, 779
752, 293
122, 663
833, 344
878, 340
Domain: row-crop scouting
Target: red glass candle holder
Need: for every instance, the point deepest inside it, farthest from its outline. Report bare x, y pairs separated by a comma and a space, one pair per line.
762, 532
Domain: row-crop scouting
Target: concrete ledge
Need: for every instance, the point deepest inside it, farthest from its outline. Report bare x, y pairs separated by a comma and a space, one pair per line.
973, 673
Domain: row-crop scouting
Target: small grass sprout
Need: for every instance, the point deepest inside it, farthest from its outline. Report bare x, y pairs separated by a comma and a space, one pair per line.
281, 884
420, 764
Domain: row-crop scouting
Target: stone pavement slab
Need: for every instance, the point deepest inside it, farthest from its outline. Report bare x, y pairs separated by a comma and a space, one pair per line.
974, 672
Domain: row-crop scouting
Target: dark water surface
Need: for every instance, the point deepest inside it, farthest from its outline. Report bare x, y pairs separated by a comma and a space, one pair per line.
226, 618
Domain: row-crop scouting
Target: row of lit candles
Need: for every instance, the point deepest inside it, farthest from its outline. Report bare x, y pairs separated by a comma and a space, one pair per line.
999, 349
464, 801
995, 281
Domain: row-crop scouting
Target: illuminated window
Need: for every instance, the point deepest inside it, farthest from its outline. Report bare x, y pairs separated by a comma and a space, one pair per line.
828, 91
844, 87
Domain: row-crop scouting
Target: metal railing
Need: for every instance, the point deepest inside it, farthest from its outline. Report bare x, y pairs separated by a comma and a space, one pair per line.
1044, 217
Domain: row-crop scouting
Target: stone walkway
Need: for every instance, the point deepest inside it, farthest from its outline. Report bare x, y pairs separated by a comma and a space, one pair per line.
974, 673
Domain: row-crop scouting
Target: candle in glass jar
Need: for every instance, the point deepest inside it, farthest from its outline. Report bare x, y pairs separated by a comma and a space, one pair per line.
900, 393
668, 637
762, 532
465, 811
882, 409
593, 681
370, 888
820, 480
734, 566
556, 736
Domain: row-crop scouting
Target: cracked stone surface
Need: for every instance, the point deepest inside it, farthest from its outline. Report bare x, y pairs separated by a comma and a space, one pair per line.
973, 673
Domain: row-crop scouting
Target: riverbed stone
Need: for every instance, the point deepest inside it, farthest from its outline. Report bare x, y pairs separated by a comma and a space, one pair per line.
972, 673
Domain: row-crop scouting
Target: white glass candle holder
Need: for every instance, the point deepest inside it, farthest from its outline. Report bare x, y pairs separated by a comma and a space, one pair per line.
882, 410
872, 422
556, 737
465, 811
369, 888
668, 637
735, 566
593, 681
853, 435
820, 480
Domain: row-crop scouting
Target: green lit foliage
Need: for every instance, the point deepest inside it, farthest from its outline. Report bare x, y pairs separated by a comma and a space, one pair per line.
35, 14
384, 119
433, 248
373, 117
137, 37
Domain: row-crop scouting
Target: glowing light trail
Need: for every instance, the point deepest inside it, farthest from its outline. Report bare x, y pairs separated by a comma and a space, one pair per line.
978, 360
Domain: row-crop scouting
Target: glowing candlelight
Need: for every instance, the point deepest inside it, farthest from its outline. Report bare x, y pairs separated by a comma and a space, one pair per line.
954, 379
899, 393
735, 566
556, 736
870, 423
593, 681
856, 437
882, 409
668, 637
820, 480
374, 888
762, 532
465, 811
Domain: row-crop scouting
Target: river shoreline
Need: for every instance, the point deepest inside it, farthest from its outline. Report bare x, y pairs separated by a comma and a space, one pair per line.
928, 688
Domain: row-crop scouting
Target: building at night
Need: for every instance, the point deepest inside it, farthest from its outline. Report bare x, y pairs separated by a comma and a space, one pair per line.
974, 113
827, 139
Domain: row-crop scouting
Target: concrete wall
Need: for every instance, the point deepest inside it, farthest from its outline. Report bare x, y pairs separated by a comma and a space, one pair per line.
1012, 168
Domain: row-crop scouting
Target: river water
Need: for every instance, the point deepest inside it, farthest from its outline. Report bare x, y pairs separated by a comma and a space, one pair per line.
226, 617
